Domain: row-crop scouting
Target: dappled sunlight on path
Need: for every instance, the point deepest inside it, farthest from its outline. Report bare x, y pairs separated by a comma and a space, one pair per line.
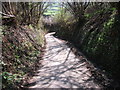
61, 68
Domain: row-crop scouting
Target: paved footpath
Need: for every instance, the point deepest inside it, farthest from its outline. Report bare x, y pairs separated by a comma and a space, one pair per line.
61, 68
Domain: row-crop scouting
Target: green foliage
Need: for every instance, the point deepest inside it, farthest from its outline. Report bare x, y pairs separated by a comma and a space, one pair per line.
109, 24
98, 37
102, 46
10, 79
18, 55
88, 16
64, 24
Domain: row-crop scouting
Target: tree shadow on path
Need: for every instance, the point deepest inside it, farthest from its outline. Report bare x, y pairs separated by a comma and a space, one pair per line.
63, 69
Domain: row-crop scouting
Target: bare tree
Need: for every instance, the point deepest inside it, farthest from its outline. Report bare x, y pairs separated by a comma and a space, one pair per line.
77, 9
24, 12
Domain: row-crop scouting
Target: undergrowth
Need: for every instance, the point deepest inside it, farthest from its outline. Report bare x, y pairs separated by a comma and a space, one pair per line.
98, 37
21, 50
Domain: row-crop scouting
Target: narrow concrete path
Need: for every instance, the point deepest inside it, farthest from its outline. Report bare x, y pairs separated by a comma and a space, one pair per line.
61, 68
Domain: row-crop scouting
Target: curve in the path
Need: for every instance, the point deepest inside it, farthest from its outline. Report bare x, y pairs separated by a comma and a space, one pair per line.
61, 68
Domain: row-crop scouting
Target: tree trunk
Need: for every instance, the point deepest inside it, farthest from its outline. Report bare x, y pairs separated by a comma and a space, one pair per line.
118, 8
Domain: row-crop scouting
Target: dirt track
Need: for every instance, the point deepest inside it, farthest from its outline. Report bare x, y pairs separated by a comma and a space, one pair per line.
61, 68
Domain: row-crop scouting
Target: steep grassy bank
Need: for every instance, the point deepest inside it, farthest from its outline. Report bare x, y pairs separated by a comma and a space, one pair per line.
22, 41
21, 53
98, 37
101, 42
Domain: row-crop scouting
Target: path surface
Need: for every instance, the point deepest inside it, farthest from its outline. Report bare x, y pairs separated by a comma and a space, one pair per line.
61, 68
